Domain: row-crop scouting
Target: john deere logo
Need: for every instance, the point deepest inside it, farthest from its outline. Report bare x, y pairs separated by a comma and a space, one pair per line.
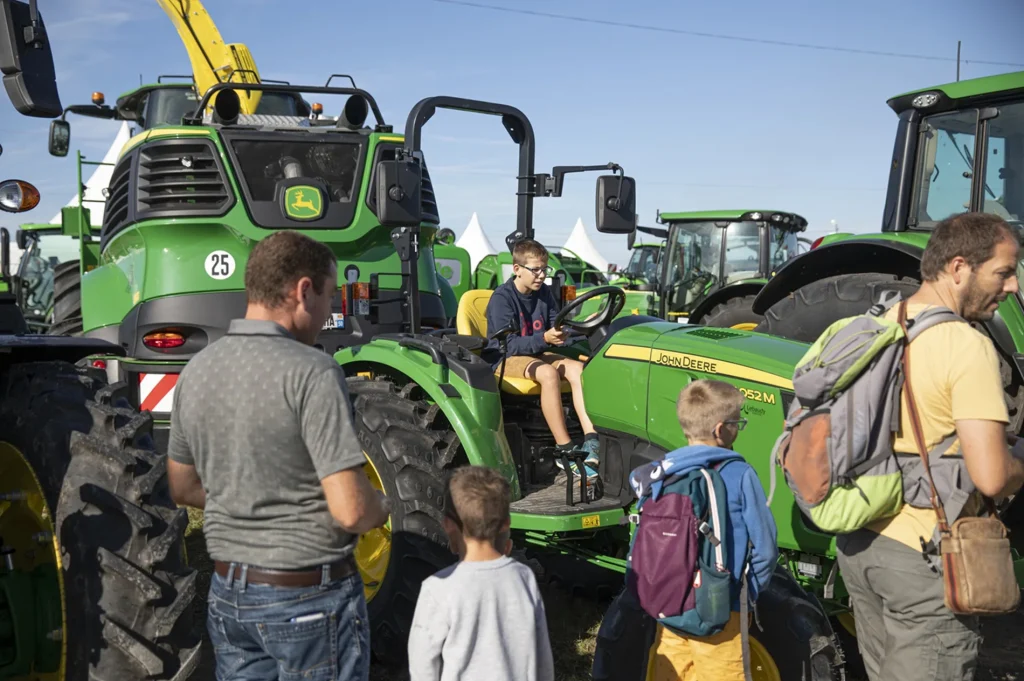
303, 202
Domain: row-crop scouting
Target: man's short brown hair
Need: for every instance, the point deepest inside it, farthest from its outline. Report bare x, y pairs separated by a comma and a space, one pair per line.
528, 248
972, 236
277, 263
477, 500
704, 404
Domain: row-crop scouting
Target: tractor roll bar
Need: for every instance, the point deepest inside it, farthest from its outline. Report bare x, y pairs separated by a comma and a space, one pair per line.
519, 129
197, 115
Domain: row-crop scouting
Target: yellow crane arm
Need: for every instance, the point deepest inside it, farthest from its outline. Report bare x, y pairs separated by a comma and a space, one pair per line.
213, 60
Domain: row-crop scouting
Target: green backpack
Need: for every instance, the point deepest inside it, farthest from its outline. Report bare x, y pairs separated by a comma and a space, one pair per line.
836, 447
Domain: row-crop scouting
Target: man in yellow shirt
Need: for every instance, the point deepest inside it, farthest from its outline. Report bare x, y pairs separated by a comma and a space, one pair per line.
904, 629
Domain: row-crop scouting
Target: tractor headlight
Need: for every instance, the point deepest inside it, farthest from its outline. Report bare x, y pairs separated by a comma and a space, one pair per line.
923, 101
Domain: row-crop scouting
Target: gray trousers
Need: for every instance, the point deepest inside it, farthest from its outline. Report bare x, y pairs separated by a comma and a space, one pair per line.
904, 629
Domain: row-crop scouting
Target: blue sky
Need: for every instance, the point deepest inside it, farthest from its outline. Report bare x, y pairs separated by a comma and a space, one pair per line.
700, 122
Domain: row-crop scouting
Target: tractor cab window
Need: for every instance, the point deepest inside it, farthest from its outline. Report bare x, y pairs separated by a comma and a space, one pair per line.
35, 272
167, 106
263, 162
946, 166
783, 245
694, 263
742, 251
644, 263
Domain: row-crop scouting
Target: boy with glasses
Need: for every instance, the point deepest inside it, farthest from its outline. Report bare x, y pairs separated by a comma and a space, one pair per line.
526, 302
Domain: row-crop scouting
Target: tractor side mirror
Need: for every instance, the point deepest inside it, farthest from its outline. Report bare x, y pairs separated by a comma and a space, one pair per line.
60, 137
398, 193
616, 204
22, 238
26, 61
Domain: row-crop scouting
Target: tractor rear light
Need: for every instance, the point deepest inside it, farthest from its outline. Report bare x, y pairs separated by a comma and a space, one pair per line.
361, 298
162, 340
816, 242
99, 363
568, 293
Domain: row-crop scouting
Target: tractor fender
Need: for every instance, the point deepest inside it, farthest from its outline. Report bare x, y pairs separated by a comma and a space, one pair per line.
722, 295
473, 411
72, 349
853, 256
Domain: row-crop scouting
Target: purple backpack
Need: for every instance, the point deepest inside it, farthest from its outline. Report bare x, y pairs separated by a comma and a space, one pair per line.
678, 557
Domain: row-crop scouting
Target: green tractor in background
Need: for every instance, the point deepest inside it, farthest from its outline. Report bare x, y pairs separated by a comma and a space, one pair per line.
958, 147
713, 264
641, 272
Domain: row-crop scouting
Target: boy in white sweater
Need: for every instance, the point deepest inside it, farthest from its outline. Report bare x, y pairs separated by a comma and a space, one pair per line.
482, 618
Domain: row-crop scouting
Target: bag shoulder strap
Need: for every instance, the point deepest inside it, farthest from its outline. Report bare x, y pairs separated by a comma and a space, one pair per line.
928, 318
915, 422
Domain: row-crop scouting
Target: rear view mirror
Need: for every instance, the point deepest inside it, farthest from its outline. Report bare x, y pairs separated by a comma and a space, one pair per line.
616, 204
22, 239
398, 193
26, 61
60, 137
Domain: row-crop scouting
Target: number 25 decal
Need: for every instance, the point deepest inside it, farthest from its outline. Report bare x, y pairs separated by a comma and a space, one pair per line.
220, 265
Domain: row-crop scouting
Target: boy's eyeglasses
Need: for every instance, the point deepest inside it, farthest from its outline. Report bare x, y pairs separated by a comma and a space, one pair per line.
537, 271
740, 423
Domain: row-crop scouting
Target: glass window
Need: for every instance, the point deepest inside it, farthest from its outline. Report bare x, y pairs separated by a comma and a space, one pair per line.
264, 162
783, 246
945, 166
742, 251
694, 257
35, 270
167, 106
1004, 166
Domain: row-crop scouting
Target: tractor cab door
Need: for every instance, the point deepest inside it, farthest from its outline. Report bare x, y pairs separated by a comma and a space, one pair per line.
692, 266
783, 246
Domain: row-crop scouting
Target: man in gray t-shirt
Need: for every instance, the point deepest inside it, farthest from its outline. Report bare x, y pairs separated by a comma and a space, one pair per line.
262, 439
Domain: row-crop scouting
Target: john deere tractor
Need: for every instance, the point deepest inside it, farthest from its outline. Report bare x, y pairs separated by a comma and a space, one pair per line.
641, 272
713, 265
427, 403
958, 147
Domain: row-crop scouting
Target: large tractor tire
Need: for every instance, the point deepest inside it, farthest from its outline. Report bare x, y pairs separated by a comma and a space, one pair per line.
410, 448
734, 313
67, 300
808, 311
95, 541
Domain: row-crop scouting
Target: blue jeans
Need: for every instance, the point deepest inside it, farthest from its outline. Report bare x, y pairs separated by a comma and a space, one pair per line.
262, 632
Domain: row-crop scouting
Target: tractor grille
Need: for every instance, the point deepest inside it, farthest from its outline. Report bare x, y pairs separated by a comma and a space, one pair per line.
713, 333
115, 211
178, 178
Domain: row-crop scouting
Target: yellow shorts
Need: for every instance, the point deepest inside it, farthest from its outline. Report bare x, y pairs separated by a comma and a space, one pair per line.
523, 366
711, 658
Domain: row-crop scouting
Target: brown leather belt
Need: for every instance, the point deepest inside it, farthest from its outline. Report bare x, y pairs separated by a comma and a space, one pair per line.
307, 577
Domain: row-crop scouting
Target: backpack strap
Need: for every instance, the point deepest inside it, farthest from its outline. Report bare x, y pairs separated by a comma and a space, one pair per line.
928, 318
714, 534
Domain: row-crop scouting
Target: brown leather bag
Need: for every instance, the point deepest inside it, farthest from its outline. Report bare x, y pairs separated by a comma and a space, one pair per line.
976, 562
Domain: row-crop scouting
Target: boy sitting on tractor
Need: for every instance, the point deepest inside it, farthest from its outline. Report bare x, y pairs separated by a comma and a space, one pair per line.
526, 302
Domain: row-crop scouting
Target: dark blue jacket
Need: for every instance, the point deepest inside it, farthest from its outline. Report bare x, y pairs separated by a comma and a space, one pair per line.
533, 313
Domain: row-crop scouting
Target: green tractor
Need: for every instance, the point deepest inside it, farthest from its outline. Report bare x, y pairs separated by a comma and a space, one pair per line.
713, 264
958, 147
641, 272
426, 403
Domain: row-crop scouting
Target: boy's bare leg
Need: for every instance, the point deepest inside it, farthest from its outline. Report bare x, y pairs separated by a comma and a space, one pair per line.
550, 399
572, 370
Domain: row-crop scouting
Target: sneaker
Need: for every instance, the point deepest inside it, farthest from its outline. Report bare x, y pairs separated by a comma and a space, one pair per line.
592, 447
574, 467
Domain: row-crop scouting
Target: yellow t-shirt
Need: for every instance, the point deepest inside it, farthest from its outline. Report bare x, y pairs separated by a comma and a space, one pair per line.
954, 371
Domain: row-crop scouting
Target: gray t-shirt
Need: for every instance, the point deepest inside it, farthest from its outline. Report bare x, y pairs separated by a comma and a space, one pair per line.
264, 417
480, 620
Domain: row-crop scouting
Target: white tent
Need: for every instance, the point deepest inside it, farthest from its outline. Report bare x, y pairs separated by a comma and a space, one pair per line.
93, 196
476, 242
580, 244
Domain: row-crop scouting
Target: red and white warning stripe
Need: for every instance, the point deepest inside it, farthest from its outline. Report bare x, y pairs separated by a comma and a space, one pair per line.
156, 392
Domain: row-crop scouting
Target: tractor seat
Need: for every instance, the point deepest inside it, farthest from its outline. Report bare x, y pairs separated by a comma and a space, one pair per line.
471, 320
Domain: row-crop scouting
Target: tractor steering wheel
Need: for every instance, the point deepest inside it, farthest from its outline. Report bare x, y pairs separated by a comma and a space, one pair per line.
605, 316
